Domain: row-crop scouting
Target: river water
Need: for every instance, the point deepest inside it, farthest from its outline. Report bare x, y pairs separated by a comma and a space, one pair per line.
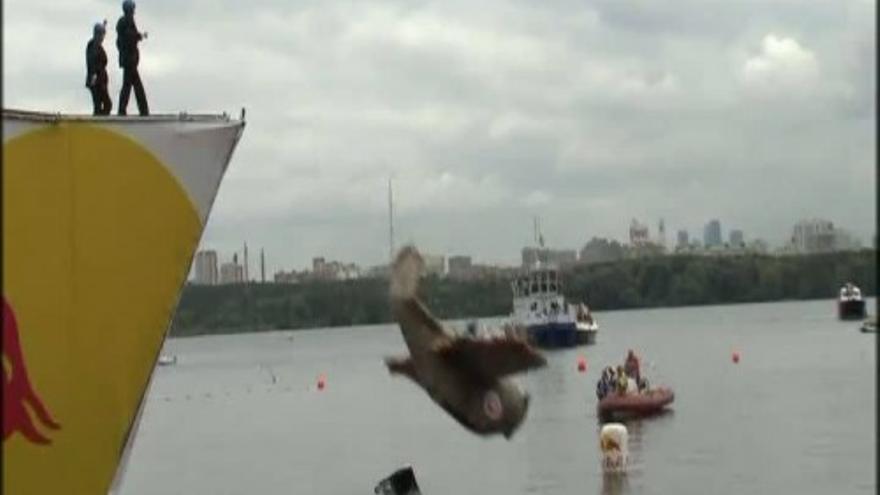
241, 414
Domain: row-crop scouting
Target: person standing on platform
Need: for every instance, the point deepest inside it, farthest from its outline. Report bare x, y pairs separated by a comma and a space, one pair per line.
127, 39
96, 71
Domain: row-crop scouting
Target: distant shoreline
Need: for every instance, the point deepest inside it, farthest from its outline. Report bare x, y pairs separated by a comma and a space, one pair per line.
658, 282
240, 331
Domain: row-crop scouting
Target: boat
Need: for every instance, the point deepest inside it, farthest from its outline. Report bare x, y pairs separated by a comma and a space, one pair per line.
869, 326
167, 360
635, 404
542, 316
850, 304
101, 219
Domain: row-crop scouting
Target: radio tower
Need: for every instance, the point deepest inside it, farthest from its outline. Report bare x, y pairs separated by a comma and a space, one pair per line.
246, 277
390, 223
662, 230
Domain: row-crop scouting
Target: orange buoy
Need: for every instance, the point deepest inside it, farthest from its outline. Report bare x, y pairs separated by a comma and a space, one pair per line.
321, 381
582, 364
735, 357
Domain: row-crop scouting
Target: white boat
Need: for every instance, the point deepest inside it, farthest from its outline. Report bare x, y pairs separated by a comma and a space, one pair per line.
850, 303
167, 360
542, 316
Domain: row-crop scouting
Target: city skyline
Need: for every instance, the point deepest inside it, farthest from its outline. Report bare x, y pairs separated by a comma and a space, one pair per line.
583, 114
639, 234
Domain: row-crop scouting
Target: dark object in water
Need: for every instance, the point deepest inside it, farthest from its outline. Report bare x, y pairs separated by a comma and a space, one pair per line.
853, 309
401, 482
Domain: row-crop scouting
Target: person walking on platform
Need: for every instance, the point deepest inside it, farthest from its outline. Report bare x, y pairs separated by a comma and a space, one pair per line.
96, 71
127, 39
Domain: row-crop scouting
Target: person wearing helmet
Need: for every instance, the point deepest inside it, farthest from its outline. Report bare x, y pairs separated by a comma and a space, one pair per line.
96, 71
632, 365
127, 39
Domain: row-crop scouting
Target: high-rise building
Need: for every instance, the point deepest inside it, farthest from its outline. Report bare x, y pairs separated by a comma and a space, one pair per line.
736, 238
319, 266
813, 236
638, 233
683, 239
206, 268
712, 234
434, 264
231, 273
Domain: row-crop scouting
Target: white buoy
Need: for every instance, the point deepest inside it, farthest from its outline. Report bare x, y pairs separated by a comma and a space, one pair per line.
613, 441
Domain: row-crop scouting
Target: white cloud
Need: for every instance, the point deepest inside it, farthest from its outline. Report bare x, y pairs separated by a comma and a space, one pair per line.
782, 64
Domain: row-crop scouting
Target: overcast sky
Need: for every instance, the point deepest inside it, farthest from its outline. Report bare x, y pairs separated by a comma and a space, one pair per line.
584, 113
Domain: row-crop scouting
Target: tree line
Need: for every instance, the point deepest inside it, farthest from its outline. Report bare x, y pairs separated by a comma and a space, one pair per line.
679, 280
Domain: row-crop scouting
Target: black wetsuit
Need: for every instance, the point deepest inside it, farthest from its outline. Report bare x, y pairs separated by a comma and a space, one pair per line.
127, 39
96, 77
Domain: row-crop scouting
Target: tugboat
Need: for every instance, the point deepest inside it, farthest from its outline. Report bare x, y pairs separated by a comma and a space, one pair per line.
850, 304
542, 316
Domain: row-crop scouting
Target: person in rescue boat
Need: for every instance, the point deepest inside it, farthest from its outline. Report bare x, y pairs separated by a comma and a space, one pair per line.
631, 366
605, 383
622, 380
96, 71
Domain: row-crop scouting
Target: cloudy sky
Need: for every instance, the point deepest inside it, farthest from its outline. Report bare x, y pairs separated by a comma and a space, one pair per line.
584, 113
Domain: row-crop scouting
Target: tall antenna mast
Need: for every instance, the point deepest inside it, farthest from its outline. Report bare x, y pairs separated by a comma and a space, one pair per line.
535, 222
390, 223
246, 279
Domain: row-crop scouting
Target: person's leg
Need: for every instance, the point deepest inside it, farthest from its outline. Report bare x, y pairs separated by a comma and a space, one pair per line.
139, 93
125, 91
96, 101
106, 103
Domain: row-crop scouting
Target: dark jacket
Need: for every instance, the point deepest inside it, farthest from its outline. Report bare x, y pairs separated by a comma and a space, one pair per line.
96, 63
127, 39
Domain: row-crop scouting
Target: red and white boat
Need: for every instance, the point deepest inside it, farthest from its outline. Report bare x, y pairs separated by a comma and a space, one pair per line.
635, 404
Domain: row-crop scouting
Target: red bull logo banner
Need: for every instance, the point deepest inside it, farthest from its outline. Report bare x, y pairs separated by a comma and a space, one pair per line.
23, 409
100, 222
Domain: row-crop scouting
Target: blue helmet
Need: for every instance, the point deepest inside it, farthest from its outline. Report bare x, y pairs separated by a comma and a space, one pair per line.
128, 6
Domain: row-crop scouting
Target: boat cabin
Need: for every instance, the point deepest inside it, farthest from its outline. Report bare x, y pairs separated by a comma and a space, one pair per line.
544, 281
537, 295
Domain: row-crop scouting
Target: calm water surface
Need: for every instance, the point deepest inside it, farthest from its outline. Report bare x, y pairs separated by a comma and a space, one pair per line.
241, 414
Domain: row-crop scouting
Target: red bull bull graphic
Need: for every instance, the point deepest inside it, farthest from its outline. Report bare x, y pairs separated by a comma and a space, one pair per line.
101, 218
20, 400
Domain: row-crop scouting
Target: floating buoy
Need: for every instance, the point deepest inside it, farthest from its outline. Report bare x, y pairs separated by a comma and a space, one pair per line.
582, 364
735, 357
613, 441
321, 381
